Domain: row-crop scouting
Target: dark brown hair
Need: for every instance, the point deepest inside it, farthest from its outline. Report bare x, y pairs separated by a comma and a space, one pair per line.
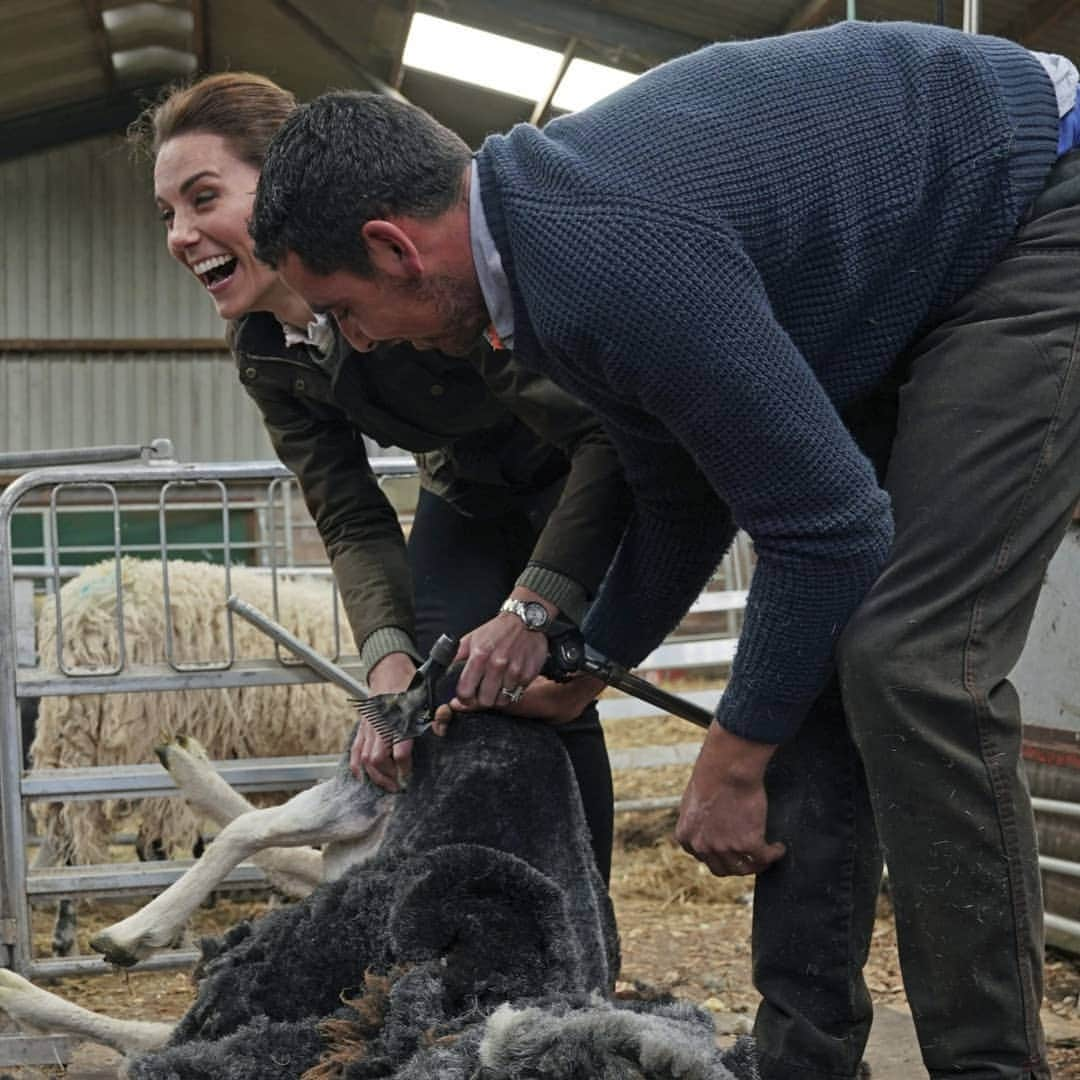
244, 109
346, 159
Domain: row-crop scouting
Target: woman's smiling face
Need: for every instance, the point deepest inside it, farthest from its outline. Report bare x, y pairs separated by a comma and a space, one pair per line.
205, 194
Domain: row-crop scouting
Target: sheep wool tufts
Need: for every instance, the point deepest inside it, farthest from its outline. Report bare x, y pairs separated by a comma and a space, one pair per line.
674, 1040
107, 729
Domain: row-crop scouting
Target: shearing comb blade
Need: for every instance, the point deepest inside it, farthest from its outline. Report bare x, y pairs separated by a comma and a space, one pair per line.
405, 715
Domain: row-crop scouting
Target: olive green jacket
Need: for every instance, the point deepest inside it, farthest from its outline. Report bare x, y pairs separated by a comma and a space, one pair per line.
484, 433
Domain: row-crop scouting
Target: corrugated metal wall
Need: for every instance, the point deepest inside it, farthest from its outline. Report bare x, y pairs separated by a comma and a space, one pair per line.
83, 257
51, 401
84, 252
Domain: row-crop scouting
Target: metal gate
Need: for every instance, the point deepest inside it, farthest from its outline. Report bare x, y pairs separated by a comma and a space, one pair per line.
153, 486
158, 485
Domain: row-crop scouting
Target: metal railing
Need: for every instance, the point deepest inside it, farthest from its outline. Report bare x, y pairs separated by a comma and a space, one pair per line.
156, 485
266, 496
123, 489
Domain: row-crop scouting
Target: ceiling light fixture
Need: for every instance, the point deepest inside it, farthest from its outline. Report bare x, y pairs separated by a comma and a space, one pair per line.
504, 64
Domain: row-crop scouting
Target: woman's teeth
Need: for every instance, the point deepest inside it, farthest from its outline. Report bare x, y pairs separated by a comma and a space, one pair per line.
214, 269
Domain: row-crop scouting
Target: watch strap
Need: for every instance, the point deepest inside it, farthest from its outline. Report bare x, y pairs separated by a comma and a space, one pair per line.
519, 608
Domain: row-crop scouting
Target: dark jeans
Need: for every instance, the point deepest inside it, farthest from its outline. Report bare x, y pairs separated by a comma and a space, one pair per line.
463, 568
916, 752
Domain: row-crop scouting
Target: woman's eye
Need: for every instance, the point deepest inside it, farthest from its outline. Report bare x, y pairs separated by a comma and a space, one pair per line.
205, 197
166, 216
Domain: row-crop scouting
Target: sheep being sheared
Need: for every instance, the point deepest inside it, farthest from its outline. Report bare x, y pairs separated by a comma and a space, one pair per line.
475, 939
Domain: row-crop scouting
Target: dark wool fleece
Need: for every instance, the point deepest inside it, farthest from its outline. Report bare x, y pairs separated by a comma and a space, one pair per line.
485, 890
722, 256
486, 914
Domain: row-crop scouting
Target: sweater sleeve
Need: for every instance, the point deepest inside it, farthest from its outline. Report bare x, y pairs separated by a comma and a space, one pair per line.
677, 519
682, 343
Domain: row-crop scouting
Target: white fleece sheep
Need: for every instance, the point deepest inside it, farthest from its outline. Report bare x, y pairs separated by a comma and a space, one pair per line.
104, 729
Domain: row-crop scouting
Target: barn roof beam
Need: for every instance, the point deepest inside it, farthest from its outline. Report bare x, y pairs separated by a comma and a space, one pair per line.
101, 40
68, 122
813, 13
1036, 20
334, 48
543, 105
201, 35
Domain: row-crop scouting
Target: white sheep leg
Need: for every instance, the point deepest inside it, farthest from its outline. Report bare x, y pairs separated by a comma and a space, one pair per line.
293, 871
337, 811
42, 1011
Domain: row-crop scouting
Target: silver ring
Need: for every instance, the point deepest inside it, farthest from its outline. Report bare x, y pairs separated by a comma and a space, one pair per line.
514, 695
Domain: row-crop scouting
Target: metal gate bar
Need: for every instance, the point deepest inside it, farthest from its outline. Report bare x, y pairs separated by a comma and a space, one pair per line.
151, 471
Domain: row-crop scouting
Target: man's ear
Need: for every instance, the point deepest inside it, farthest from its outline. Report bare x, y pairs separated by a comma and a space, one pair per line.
391, 250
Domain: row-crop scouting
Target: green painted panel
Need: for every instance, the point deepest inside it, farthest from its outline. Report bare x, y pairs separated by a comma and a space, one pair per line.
86, 537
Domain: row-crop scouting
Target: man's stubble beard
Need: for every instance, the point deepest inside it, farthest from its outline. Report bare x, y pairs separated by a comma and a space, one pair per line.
461, 306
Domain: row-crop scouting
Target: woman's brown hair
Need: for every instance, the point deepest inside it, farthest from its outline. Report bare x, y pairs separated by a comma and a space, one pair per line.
244, 109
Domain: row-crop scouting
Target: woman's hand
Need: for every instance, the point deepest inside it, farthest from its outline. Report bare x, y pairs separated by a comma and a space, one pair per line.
501, 657
557, 703
386, 764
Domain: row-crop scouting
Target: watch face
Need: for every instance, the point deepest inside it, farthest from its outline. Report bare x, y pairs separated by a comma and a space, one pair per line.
535, 614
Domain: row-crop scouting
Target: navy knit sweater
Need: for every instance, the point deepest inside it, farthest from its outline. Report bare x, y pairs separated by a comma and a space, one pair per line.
724, 254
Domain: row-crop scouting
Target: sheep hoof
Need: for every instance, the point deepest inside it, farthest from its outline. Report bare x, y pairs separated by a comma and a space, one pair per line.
192, 746
116, 953
181, 746
64, 939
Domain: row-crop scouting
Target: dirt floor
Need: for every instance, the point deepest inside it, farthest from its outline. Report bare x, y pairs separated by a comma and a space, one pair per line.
682, 930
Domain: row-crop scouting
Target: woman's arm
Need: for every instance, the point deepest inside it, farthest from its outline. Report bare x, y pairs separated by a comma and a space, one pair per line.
357, 524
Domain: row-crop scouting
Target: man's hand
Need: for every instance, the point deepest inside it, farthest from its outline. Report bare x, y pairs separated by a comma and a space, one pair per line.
722, 816
385, 764
557, 703
502, 655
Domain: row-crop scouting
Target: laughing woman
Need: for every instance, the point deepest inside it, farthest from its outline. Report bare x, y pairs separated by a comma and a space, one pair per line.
522, 499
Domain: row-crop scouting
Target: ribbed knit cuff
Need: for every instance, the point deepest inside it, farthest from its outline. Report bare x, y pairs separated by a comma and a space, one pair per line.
383, 642
565, 593
1030, 101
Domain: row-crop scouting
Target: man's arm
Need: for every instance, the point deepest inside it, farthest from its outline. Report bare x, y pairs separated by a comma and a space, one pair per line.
687, 350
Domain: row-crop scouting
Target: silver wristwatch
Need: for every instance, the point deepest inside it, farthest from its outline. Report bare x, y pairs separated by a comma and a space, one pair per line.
531, 612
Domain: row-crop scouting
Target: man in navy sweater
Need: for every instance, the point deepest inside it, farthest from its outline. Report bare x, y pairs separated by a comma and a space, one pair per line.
824, 287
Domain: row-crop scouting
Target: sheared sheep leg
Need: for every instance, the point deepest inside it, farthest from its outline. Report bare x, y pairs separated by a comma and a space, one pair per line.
338, 811
42, 1011
295, 871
